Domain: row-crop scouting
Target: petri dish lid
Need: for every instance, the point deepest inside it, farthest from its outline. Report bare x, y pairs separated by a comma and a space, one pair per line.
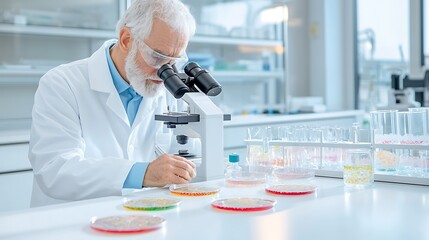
151, 204
293, 173
193, 190
126, 223
243, 204
246, 178
291, 189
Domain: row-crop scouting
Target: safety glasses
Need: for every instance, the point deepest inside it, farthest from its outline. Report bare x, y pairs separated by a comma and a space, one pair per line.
156, 59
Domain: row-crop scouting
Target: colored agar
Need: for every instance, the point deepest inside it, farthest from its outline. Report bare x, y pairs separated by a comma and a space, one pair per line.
244, 204
151, 204
291, 190
127, 223
193, 191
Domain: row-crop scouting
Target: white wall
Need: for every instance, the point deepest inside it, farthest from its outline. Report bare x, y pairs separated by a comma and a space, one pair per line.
323, 31
298, 54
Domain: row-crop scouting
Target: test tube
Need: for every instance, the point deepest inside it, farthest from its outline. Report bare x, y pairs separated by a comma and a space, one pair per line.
424, 154
331, 157
257, 149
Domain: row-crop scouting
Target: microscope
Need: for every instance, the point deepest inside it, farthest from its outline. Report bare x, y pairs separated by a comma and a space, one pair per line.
203, 119
407, 93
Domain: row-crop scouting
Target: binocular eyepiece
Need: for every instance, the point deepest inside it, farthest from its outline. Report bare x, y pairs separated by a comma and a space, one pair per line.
178, 84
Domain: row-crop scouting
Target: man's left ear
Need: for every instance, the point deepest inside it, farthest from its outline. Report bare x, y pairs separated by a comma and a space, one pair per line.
125, 39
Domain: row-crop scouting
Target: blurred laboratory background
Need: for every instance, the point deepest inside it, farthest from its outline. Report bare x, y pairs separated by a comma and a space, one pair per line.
280, 62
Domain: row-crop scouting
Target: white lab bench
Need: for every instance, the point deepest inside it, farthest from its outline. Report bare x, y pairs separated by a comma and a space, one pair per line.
15, 169
384, 211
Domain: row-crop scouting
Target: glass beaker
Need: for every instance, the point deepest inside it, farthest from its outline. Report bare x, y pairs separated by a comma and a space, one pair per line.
331, 157
358, 168
384, 131
257, 150
276, 149
411, 162
383, 126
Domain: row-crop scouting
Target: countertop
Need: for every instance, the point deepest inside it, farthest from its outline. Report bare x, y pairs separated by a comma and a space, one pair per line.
384, 211
245, 120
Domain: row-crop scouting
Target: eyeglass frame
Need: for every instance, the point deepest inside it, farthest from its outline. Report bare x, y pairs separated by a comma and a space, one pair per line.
142, 46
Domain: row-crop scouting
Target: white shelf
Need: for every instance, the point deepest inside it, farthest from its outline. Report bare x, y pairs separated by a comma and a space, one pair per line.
21, 76
236, 41
56, 31
251, 74
107, 34
22, 72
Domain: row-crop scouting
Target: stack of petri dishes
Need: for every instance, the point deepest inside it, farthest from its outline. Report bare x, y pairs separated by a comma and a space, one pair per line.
291, 182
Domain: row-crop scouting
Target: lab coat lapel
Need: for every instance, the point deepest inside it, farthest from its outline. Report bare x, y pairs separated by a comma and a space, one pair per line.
145, 111
101, 81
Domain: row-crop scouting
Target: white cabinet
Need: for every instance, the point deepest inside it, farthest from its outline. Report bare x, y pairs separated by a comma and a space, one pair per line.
15, 190
16, 177
13, 157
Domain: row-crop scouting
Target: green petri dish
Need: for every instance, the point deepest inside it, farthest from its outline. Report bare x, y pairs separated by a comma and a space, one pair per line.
151, 204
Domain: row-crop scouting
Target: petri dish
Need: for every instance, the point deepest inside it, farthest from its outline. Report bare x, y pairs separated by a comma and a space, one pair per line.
193, 190
244, 204
151, 204
126, 223
291, 189
245, 179
293, 173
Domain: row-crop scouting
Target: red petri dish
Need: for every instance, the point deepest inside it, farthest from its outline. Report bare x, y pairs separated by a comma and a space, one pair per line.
244, 204
289, 189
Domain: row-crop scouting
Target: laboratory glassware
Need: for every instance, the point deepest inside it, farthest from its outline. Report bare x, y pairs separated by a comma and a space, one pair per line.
358, 168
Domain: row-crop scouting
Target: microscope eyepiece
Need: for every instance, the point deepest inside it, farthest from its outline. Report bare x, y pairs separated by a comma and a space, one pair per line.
204, 81
172, 81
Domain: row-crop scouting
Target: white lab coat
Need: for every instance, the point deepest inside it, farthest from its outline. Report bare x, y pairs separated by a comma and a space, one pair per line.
81, 144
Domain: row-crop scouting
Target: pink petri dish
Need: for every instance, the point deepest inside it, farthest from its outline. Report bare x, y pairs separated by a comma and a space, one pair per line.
243, 204
245, 179
290, 189
127, 223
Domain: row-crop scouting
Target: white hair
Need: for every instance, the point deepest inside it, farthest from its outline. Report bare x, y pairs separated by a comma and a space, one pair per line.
139, 17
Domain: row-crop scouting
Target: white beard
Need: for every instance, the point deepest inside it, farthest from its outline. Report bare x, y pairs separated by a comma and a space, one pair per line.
138, 79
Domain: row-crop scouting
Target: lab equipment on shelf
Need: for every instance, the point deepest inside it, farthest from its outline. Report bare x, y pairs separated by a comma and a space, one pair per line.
394, 149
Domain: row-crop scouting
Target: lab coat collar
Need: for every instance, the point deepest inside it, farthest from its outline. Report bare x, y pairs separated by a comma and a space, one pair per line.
98, 70
101, 81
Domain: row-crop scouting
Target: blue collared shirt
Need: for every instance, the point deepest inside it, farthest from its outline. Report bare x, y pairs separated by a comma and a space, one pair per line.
131, 101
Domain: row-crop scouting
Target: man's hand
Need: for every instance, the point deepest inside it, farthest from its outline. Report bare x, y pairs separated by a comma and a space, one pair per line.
168, 169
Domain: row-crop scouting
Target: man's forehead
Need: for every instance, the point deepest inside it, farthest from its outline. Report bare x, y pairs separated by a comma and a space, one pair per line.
168, 47
164, 39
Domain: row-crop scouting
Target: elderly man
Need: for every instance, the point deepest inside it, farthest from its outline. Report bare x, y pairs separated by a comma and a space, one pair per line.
93, 131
